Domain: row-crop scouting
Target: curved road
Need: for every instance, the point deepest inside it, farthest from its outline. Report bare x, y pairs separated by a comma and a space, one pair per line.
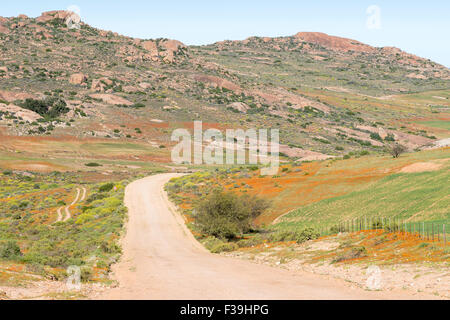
162, 260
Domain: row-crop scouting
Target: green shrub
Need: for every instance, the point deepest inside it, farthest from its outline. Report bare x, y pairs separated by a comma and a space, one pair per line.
49, 107
297, 236
226, 215
392, 228
211, 242
253, 241
86, 274
375, 136
225, 247
10, 251
93, 164
106, 187
110, 247
354, 253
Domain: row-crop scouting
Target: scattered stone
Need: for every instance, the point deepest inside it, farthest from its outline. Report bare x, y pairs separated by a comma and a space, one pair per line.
78, 78
240, 106
111, 99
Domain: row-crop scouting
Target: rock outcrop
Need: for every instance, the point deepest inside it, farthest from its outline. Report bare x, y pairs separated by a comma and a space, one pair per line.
239, 106
4, 29
13, 96
166, 49
78, 78
334, 43
26, 115
52, 15
111, 99
217, 82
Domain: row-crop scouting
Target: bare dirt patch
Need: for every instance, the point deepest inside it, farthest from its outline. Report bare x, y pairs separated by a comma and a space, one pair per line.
49, 290
421, 167
316, 257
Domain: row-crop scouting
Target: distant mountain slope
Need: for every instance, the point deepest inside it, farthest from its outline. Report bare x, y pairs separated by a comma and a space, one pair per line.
317, 59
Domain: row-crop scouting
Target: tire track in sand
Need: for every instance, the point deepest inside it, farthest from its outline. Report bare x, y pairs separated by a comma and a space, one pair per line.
67, 208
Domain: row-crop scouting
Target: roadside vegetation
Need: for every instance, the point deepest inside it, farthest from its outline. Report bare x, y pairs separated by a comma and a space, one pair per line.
31, 235
316, 196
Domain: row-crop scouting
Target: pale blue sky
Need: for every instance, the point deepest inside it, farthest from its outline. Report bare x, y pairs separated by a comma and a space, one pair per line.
419, 27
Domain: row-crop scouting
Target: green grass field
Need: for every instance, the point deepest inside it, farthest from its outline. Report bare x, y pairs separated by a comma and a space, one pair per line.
436, 124
414, 197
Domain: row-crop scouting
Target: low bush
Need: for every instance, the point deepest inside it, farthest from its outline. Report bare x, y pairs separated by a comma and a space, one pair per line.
93, 164
253, 241
294, 235
10, 251
225, 215
211, 242
354, 253
106, 187
225, 247
48, 108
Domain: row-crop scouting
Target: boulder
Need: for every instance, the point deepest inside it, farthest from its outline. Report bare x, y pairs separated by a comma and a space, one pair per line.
111, 99
242, 107
101, 84
98, 85
130, 89
152, 48
4, 29
217, 82
13, 96
145, 85
25, 114
77, 78
172, 45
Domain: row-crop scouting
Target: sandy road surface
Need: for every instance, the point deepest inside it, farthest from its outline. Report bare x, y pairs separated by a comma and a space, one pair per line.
162, 260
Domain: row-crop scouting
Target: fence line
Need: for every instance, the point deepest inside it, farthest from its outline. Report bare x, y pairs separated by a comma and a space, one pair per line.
429, 231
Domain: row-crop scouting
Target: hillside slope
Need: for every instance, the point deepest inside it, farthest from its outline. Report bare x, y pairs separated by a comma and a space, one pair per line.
328, 95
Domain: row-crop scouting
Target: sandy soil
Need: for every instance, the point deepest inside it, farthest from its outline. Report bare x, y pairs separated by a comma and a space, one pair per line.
421, 167
162, 260
48, 290
413, 278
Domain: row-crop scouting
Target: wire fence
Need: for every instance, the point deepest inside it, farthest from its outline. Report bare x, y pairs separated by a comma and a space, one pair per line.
427, 231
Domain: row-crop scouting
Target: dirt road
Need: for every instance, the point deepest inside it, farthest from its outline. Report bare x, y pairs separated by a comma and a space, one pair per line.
162, 260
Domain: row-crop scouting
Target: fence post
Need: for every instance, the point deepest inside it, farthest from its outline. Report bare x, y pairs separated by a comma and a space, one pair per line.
423, 230
404, 229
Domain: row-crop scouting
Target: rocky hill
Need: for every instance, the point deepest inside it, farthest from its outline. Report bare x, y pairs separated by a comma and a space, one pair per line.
328, 95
